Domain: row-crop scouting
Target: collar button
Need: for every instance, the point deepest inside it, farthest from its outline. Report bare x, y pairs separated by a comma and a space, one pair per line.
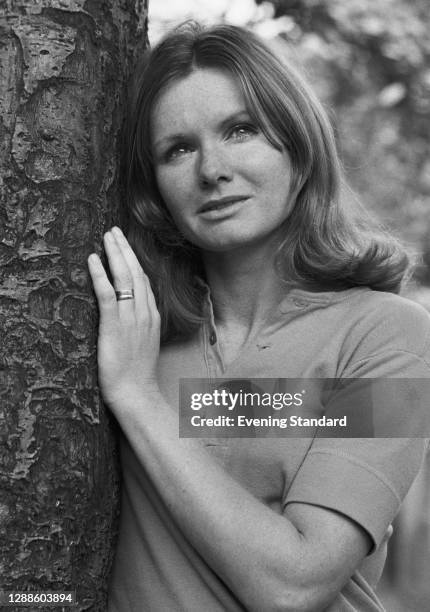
299, 303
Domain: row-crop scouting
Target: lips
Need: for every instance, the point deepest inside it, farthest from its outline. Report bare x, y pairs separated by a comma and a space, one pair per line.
221, 203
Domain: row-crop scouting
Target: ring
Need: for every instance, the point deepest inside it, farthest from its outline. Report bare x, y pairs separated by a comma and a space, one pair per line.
126, 294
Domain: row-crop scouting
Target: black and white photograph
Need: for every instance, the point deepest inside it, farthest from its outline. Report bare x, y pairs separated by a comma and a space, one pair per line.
215, 305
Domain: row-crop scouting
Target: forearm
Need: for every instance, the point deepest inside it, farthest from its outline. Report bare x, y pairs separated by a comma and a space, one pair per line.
295, 562
259, 554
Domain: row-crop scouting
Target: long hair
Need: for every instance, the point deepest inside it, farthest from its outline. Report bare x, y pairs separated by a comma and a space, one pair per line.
327, 242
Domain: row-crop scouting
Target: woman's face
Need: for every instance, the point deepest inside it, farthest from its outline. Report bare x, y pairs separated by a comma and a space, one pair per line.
223, 182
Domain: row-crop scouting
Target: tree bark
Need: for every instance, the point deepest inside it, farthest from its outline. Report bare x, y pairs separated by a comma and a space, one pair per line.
64, 66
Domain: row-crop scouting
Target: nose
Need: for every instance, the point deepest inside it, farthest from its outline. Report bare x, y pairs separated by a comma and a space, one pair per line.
213, 166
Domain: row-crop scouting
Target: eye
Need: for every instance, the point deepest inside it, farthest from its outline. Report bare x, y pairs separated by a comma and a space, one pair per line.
243, 131
177, 151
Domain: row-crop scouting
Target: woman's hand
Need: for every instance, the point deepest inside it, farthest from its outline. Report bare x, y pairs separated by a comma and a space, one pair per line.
129, 329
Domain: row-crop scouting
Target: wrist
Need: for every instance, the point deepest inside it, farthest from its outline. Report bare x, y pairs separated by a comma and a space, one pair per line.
135, 397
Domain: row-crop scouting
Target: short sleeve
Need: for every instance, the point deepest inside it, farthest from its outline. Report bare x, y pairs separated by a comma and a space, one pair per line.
366, 479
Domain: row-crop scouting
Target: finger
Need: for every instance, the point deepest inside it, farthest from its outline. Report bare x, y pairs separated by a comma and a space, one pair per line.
103, 289
121, 274
140, 279
122, 278
128, 253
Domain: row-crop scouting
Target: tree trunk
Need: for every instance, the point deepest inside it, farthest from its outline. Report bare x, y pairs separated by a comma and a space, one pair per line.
63, 71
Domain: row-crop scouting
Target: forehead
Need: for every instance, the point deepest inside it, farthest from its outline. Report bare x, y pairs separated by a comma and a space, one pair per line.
205, 96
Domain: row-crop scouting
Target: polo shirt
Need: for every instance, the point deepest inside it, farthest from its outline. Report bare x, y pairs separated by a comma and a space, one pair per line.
347, 334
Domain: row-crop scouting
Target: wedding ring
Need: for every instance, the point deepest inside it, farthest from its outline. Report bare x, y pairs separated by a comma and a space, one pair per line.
126, 294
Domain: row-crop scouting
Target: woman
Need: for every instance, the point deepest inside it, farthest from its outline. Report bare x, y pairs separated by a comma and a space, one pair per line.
258, 270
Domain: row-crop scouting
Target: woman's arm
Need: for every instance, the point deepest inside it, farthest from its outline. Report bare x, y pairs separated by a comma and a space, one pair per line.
295, 562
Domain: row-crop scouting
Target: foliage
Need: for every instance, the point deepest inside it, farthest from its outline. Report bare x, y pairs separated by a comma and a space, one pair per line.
370, 62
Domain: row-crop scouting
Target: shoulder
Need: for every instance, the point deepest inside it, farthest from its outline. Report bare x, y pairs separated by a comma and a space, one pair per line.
397, 308
386, 326
395, 305
391, 315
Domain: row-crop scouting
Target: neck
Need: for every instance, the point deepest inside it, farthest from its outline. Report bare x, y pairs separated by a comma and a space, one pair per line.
244, 285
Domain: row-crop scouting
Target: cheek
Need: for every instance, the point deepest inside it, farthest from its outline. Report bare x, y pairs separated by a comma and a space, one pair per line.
269, 168
175, 192
281, 175
274, 183
170, 187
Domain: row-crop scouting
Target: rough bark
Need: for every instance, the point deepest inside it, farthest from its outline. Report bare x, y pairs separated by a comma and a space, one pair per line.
63, 71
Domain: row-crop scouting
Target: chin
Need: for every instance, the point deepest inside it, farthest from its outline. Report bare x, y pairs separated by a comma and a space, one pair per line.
221, 238
229, 243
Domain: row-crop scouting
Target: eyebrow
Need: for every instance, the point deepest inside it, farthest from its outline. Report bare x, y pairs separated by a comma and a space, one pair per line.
171, 138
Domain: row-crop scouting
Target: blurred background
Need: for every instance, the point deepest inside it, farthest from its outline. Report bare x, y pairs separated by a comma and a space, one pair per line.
369, 62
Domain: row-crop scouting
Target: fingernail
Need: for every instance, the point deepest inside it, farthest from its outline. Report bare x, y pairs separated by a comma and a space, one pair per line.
108, 236
116, 230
